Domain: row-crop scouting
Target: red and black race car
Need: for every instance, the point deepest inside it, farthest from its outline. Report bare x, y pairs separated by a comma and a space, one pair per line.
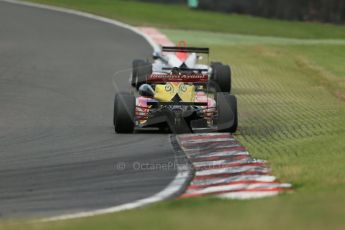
182, 100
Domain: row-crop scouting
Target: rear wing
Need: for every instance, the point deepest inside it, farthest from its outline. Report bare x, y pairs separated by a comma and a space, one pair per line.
174, 49
163, 78
184, 69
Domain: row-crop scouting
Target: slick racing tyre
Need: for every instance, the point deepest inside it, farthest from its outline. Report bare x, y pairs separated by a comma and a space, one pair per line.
221, 76
124, 113
227, 113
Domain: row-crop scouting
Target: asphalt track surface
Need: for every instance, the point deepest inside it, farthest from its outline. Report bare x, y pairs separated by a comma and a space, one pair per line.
58, 150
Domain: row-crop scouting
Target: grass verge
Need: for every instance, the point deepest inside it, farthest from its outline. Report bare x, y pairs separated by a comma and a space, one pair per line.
180, 17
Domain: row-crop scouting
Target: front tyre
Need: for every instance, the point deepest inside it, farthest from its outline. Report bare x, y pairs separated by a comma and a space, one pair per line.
124, 113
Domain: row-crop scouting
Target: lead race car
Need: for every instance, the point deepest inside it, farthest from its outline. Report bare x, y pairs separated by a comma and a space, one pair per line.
186, 58
182, 98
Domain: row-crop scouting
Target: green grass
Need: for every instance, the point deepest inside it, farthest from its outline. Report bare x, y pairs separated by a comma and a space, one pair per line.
203, 38
180, 17
290, 114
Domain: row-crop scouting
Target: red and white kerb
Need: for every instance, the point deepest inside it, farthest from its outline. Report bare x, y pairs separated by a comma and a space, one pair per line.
223, 167
156, 36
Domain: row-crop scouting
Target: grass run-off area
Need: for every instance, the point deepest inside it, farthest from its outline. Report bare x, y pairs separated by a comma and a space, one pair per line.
180, 17
291, 95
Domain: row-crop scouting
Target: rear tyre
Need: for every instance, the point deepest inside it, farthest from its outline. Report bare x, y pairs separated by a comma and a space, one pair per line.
143, 71
227, 113
221, 75
135, 65
124, 113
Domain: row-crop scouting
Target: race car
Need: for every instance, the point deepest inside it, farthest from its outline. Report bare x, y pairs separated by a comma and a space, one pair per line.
181, 101
195, 60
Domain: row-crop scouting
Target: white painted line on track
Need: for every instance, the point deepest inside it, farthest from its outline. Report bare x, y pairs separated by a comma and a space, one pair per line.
166, 193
